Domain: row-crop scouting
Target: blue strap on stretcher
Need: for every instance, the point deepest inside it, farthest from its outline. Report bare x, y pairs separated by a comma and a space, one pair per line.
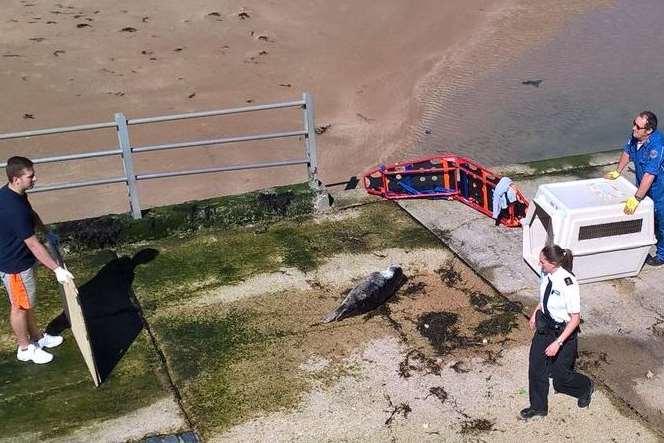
404, 183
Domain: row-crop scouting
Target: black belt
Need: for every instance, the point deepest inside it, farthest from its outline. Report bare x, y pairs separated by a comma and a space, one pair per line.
547, 324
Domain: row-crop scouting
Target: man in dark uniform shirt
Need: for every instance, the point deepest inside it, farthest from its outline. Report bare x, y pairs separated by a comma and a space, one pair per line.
20, 249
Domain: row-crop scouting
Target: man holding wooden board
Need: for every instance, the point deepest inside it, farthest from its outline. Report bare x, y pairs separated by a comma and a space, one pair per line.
20, 249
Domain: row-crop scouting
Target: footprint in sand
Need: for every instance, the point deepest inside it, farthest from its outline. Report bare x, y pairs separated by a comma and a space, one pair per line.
128, 29
57, 52
37, 39
145, 19
83, 25
262, 37
254, 58
192, 95
29, 116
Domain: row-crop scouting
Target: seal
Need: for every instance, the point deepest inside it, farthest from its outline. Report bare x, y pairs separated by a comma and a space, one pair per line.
371, 293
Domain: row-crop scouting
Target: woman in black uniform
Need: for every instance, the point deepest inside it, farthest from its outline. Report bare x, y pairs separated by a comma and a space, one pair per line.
556, 325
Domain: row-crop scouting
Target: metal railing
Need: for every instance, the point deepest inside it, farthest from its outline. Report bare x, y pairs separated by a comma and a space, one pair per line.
127, 152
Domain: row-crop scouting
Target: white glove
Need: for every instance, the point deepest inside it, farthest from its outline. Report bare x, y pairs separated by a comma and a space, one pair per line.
63, 275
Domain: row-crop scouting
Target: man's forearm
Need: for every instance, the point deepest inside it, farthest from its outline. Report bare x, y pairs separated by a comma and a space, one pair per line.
40, 252
644, 186
622, 163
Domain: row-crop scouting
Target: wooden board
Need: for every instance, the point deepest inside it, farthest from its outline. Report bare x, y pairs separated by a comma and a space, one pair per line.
72, 308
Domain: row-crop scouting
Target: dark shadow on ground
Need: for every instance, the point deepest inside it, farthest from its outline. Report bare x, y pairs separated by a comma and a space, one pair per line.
348, 185
112, 315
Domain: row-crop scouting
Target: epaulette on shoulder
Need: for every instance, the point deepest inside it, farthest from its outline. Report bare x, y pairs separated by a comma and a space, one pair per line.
568, 281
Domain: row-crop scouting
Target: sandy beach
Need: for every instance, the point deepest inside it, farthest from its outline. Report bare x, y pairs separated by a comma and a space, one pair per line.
375, 72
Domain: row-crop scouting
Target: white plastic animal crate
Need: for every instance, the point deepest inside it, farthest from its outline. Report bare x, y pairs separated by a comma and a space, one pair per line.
587, 217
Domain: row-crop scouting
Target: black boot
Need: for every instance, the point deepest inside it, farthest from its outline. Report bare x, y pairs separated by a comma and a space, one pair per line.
530, 413
584, 401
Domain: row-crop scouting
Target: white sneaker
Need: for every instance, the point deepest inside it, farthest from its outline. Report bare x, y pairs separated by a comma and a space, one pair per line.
33, 353
49, 341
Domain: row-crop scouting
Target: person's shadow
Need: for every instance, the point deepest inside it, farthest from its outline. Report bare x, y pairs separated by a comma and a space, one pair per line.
112, 316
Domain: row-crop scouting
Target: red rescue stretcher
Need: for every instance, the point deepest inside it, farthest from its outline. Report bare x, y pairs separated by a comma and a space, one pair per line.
447, 176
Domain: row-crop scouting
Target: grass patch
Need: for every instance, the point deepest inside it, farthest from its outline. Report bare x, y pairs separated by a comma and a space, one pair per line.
59, 397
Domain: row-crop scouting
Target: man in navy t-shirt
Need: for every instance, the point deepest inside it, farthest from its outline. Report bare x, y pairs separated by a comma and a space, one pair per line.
20, 249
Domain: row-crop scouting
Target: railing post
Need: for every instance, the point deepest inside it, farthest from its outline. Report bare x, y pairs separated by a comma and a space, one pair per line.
128, 164
310, 141
322, 199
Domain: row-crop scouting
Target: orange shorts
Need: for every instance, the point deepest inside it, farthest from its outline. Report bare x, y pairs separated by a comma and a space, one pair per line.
21, 288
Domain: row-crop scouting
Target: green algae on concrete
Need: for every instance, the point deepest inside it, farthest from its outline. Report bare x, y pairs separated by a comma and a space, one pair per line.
59, 397
245, 359
216, 257
580, 161
235, 361
559, 165
251, 208
229, 363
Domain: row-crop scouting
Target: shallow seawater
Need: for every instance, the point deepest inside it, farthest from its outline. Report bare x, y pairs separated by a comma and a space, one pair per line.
597, 71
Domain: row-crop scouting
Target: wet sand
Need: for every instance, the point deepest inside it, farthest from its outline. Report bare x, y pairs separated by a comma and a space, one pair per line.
372, 70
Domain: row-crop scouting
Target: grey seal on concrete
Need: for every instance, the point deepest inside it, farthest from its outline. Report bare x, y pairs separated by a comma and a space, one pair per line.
372, 292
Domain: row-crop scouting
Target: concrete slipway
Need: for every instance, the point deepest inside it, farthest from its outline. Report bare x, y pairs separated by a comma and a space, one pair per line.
623, 319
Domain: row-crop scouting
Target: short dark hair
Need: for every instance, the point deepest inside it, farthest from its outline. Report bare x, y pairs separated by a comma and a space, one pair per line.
651, 119
16, 165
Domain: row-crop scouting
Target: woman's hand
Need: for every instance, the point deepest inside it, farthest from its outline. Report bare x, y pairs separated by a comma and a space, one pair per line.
552, 349
531, 321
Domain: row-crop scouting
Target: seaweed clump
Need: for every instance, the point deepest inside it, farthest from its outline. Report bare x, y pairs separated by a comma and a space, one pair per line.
440, 329
477, 426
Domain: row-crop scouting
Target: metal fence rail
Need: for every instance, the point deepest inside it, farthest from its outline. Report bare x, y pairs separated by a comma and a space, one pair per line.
127, 152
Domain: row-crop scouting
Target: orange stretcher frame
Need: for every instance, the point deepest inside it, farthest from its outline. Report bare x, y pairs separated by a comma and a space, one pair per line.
443, 176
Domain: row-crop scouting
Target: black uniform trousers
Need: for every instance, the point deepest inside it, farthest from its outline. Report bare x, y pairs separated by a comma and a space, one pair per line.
560, 368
